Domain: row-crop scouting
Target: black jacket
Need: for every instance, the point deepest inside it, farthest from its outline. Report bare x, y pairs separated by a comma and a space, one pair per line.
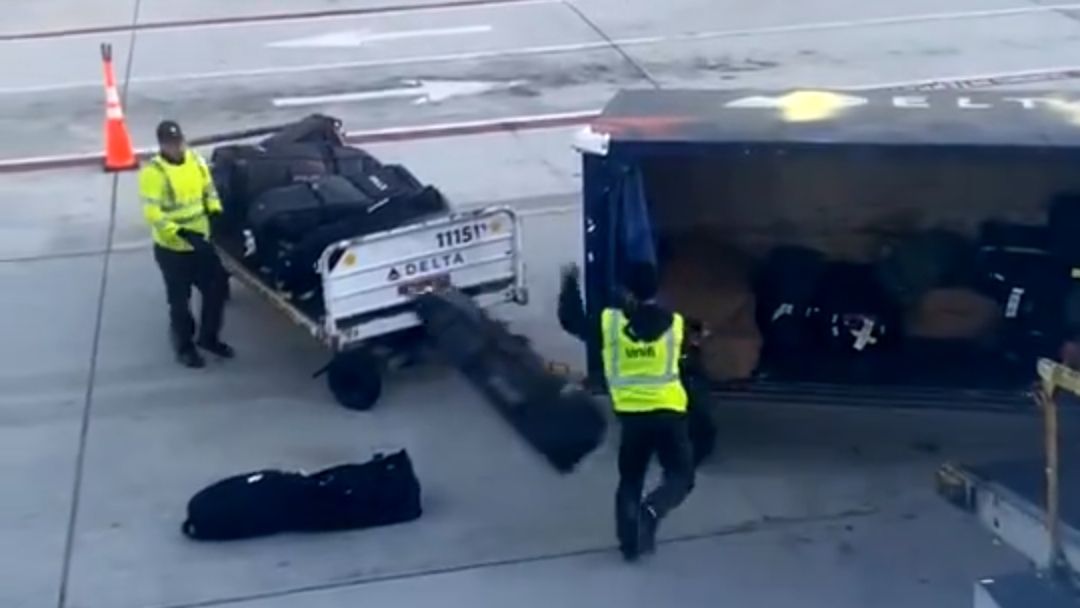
647, 322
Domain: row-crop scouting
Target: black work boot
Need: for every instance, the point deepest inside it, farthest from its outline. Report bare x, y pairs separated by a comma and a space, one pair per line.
648, 521
627, 527
189, 357
217, 347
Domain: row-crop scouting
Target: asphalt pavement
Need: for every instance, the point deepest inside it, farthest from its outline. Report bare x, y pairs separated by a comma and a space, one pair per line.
103, 438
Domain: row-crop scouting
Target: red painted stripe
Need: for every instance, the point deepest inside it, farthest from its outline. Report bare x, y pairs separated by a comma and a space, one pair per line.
68, 161
265, 18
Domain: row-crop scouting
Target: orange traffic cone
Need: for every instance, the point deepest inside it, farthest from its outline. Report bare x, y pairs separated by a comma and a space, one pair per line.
119, 152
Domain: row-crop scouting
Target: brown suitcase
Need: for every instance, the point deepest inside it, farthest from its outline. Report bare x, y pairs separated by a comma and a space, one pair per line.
954, 314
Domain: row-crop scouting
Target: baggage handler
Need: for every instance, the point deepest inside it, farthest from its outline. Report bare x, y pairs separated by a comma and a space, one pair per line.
643, 347
178, 198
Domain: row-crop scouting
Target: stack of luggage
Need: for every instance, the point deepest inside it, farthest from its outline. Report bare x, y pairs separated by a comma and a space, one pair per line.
936, 307
288, 197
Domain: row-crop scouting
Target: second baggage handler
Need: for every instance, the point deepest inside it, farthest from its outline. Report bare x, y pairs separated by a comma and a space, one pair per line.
642, 349
178, 198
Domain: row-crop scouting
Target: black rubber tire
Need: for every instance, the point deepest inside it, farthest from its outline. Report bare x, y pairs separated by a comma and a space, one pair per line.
355, 380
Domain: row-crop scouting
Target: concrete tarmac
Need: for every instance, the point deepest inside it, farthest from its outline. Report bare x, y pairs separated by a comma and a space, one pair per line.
103, 439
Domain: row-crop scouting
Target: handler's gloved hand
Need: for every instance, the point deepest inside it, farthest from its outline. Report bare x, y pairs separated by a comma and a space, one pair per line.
196, 240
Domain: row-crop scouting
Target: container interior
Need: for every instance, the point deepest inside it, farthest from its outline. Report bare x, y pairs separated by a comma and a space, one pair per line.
867, 213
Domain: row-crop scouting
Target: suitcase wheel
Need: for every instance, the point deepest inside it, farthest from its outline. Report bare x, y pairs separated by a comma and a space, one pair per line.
355, 380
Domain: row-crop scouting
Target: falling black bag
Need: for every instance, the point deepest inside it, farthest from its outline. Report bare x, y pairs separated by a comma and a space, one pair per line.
561, 421
380, 492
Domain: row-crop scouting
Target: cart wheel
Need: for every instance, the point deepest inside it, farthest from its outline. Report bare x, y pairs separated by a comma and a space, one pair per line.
355, 380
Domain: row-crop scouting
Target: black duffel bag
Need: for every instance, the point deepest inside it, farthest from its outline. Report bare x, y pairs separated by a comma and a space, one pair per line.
291, 212
243, 173
561, 421
297, 268
380, 492
312, 129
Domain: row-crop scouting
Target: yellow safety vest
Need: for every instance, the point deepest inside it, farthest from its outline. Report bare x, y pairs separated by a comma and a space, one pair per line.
642, 376
177, 196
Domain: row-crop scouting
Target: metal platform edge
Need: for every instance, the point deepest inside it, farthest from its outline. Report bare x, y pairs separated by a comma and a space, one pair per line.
1013, 519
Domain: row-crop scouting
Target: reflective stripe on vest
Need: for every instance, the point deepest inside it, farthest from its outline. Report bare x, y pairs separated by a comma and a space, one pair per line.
650, 385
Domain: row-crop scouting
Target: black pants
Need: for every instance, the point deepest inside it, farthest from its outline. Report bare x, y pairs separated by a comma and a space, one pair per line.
665, 434
181, 271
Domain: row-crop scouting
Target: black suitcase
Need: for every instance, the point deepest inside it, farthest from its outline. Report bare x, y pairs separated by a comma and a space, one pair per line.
857, 325
291, 212
1032, 286
559, 420
297, 267
1064, 226
784, 290
383, 491
351, 162
244, 173
924, 261
385, 183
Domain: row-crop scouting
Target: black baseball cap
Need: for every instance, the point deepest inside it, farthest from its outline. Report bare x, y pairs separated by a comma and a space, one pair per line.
168, 131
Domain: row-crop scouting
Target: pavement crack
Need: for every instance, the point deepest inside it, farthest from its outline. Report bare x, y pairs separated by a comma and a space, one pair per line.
763, 524
612, 43
95, 348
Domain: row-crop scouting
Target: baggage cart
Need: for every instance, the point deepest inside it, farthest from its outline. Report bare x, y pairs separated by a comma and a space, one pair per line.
369, 283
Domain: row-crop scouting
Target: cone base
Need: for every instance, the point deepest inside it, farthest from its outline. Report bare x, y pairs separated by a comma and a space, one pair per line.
117, 168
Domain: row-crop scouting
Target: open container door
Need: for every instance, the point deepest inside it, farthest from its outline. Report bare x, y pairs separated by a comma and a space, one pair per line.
724, 179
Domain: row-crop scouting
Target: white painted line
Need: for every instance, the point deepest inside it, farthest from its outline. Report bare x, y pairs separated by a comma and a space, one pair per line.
359, 38
562, 48
412, 10
508, 123
425, 91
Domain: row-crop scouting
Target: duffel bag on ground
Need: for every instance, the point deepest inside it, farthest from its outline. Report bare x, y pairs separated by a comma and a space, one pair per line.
291, 212
380, 492
558, 419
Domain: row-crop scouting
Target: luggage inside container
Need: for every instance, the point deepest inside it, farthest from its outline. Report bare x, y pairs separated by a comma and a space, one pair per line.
719, 219
915, 250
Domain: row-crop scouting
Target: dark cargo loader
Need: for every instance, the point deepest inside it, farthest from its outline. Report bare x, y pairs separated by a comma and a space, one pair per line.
915, 204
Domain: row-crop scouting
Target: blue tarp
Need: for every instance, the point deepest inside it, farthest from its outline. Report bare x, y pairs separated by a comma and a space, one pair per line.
636, 237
